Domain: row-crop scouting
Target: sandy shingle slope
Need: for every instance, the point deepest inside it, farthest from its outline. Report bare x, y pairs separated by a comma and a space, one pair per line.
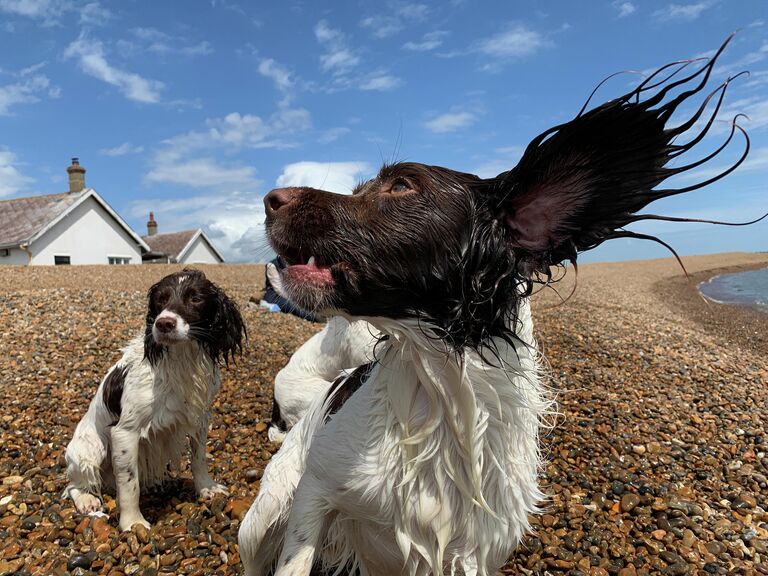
657, 465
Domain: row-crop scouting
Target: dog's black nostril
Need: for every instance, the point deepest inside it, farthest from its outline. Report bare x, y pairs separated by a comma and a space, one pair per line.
278, 198
165, 325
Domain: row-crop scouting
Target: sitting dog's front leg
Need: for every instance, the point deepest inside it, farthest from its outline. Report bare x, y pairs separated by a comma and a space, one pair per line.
125, 464
304, 530
205, 486
261, 532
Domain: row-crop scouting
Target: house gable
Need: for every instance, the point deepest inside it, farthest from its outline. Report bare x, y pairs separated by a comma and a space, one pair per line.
185, 247
87, 194
89, 234
200, 250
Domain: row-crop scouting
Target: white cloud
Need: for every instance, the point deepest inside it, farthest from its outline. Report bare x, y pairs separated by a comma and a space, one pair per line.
757, 79
333, 134
429, 41
625, 8
122, 150
27, 90
233, 220
338, 58
94, 14
383, 82
325, 33
341, 62
756, 161
398, 17
503, 159
515, 42
91, 59
202, 173
202, 47
395, 21
755, 108
186, 159
450, 122
280, 76
382, 26
248, 130
11, 180
682, 11
30, 70
413, 11
159, 42
749, 59
237, 129
231, 213
48, 11
332, 176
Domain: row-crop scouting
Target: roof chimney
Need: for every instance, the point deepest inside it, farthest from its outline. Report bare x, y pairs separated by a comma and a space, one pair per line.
151, 225
76, 176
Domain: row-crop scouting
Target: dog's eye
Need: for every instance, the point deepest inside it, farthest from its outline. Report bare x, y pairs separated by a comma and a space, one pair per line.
400, 186
196, 299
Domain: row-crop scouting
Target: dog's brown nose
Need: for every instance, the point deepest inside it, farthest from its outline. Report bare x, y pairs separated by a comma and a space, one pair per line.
278, 198
165, 324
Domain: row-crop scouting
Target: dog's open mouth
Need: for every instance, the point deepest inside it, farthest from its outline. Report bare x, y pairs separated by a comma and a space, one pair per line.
312, 270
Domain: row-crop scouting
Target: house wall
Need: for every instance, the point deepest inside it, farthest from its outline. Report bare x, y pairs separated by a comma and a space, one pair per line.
15, 256
200, 253
88, 235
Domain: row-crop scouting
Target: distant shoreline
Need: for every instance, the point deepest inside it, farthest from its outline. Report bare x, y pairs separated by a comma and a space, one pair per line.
740, 324
702, 288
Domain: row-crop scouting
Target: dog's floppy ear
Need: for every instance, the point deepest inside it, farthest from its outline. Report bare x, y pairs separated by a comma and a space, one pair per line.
227, 329
579, 183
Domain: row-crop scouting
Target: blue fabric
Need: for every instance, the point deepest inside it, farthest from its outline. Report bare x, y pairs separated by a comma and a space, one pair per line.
285, 305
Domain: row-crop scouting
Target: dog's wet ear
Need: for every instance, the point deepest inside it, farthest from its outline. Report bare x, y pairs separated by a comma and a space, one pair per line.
579, 183
228, 328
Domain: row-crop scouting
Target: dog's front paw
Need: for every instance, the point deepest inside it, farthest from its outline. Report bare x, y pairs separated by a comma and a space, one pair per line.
276, 435
127, 522
87, 503
212, 489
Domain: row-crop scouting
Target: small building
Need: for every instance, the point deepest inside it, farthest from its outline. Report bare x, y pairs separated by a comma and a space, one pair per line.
185, 247
75, 227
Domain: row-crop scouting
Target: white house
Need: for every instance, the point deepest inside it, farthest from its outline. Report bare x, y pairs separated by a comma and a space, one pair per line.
186, 247
76, 227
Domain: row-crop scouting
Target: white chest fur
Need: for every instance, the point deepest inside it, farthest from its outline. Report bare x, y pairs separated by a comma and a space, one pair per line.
167, 403
434, 462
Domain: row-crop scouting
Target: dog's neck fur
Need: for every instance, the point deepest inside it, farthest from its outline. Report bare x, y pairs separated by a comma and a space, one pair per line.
467, 435
184, 373
181, 389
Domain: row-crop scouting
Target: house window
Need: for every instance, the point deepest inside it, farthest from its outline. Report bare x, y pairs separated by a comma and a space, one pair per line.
5, 252
119, 259
61, 260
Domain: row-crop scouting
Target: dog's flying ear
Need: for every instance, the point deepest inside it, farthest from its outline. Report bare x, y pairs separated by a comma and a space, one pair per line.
579, 183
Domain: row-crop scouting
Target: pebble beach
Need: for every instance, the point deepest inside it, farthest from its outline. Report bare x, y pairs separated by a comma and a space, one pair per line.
657, 462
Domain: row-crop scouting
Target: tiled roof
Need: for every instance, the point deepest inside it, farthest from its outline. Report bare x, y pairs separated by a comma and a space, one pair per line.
170, 244
22, 218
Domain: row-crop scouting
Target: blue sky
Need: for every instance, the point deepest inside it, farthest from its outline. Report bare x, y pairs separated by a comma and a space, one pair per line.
196, 109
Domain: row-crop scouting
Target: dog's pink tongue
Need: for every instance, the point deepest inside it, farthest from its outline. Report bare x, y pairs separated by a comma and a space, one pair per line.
309, 274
